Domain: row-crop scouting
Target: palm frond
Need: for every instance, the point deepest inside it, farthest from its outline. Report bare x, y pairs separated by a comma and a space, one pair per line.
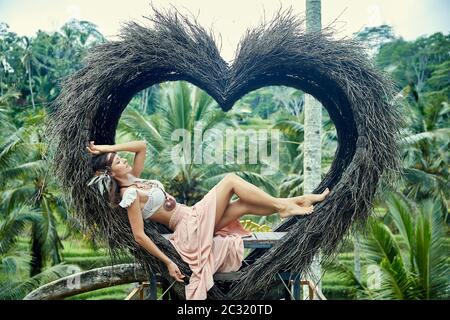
431, 258
15, 290
139, 126
15, 196
10, 148
32, 168
426, 181
14, 223
381, 244
290, 128
400, 210
348, 276
441, 134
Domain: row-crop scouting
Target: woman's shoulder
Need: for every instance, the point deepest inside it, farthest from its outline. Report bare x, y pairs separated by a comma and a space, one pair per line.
128, 189
129, 195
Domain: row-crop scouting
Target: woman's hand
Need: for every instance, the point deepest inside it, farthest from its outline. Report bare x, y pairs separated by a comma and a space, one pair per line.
175, 272
98, 149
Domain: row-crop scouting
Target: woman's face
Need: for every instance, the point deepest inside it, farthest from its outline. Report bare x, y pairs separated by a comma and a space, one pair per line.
119, 166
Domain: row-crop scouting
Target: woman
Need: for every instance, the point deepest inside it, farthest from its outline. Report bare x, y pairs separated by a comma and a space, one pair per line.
208, 235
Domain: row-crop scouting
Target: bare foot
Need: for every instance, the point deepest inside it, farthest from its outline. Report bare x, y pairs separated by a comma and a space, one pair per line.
310, 199
291, 209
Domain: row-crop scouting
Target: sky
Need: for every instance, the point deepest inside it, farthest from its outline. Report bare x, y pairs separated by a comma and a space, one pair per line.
409, 18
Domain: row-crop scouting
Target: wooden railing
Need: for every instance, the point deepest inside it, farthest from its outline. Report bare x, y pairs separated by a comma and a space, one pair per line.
313, 292
138, 293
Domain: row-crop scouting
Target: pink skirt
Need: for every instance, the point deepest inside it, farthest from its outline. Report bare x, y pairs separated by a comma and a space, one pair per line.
206, 252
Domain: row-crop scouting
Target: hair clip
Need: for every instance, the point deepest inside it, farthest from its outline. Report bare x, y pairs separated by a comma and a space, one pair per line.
102, 180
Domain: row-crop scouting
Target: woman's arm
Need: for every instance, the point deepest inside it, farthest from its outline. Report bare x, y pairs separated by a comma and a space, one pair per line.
139, 147
137, 225
132, 146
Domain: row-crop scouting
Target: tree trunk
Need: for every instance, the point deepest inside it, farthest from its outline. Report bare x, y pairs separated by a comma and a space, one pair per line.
313, 132
88, 281
357, 258
36, 252
31, 88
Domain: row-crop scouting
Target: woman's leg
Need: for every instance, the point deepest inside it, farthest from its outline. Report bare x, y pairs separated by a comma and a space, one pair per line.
224, 193
251, 194
237, 208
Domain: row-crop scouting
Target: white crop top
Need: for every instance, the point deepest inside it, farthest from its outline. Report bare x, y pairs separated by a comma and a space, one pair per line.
156, 197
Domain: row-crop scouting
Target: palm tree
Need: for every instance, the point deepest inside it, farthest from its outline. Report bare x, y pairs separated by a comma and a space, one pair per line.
27, 59
422, 273
8, 128
14, 263
183, 106
293, 133
289, 99
292, 129
27, 182
82, 33
313, 114
34, 59
18, 214
5, 67
313, 129
426, 141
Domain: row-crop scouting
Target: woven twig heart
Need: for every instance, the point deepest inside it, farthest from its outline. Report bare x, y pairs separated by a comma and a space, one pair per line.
358, 98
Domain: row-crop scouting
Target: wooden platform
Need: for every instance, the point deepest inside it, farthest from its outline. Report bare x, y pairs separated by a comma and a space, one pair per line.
257, 240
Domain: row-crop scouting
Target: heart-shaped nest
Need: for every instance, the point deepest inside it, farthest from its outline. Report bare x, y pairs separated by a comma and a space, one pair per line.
359, 99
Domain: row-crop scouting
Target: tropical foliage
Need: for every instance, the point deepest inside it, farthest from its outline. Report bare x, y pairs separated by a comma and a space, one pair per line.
410, 265
403, 254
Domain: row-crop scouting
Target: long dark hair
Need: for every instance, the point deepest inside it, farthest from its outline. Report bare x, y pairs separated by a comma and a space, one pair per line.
101, 163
